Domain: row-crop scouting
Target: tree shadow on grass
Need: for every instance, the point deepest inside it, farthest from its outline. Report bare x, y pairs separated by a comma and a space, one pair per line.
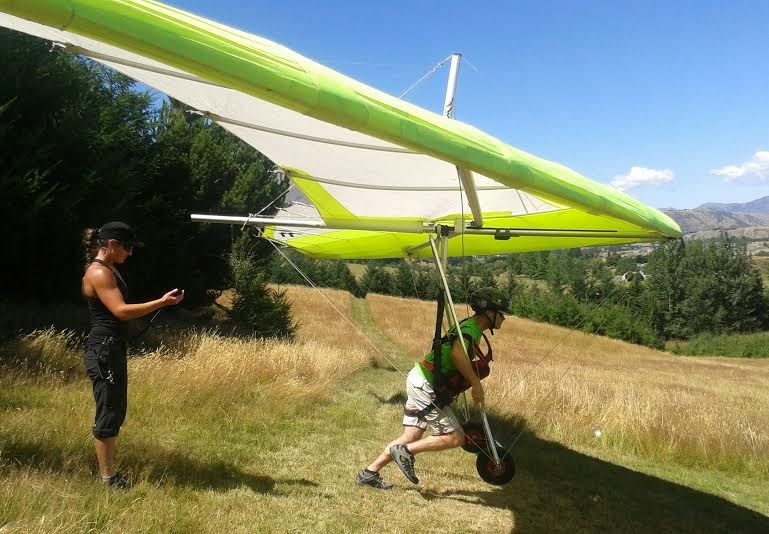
559, 490
161, 467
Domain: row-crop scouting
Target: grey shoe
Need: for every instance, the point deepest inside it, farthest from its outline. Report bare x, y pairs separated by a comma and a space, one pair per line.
405, 461
116, 483
368, 478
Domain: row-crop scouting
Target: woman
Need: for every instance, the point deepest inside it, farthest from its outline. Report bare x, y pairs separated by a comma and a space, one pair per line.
105, 354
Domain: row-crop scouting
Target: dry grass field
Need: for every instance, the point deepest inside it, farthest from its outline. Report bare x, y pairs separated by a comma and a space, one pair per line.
240, 435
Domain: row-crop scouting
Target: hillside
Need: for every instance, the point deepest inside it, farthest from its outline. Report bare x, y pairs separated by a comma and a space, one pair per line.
239, 436
748, 221
703, 219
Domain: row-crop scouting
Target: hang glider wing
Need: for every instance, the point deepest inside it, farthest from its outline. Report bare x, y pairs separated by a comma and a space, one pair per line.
377, 170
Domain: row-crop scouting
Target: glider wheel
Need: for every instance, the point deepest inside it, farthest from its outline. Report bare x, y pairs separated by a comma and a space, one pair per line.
490, 472
475, 438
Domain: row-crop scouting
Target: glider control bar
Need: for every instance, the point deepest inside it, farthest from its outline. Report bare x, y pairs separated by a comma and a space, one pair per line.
409, 227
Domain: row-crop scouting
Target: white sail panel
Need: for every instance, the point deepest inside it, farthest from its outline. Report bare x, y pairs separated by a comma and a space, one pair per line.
368, 177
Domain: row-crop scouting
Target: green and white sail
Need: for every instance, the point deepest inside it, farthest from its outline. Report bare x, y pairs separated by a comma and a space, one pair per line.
378, 171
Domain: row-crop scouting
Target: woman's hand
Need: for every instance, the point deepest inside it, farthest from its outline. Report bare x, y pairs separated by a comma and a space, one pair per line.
173, 297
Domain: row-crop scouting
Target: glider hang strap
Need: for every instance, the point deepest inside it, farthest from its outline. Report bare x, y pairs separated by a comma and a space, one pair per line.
438, 378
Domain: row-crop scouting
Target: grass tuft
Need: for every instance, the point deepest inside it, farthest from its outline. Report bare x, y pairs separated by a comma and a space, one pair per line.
45, 352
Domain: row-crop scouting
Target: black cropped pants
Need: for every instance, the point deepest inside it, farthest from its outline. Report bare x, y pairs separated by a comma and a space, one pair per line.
107, 367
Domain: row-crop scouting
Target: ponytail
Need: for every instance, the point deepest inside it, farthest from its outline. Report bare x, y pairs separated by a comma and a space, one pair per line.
91, 244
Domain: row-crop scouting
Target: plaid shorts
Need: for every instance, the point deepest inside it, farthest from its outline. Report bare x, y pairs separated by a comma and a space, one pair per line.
420, 395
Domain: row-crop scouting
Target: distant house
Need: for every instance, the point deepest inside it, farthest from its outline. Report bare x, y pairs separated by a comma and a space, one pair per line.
632, 276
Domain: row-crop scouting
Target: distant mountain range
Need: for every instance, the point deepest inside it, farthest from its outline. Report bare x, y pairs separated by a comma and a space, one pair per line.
750, 220
760, 205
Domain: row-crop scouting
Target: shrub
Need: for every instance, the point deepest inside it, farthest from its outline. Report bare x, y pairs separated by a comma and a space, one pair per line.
607, 319
257, 310
739, 345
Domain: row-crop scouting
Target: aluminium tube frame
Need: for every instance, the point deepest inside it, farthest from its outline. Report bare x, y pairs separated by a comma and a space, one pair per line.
426, 228
440, 262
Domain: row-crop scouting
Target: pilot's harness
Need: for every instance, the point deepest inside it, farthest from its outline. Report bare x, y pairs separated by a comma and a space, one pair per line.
448, 387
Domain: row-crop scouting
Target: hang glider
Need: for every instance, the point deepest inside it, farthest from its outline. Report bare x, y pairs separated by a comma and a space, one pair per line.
379, 172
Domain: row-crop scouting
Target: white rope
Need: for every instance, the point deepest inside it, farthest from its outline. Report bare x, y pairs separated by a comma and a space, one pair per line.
464, 58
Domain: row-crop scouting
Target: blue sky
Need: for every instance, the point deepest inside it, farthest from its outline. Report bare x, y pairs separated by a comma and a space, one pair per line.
667, 100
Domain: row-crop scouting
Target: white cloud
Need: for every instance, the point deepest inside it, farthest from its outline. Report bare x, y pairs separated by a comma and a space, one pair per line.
757, 169
639, 176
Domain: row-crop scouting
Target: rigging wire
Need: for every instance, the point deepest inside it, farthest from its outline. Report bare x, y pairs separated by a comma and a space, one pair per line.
464, 58
399, 371
569, 333
423, 78
466, 285
552, 388
289, 188
355, 327
273, 201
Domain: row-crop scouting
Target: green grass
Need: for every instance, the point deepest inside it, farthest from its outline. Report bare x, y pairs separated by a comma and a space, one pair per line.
257, 459
736, 346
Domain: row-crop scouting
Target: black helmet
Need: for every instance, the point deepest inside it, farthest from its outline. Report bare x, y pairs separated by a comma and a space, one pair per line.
488, 298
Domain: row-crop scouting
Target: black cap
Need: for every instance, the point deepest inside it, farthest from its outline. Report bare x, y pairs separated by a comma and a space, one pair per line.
119, 231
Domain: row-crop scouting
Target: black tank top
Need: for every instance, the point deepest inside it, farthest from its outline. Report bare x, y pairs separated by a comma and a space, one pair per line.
103, 323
